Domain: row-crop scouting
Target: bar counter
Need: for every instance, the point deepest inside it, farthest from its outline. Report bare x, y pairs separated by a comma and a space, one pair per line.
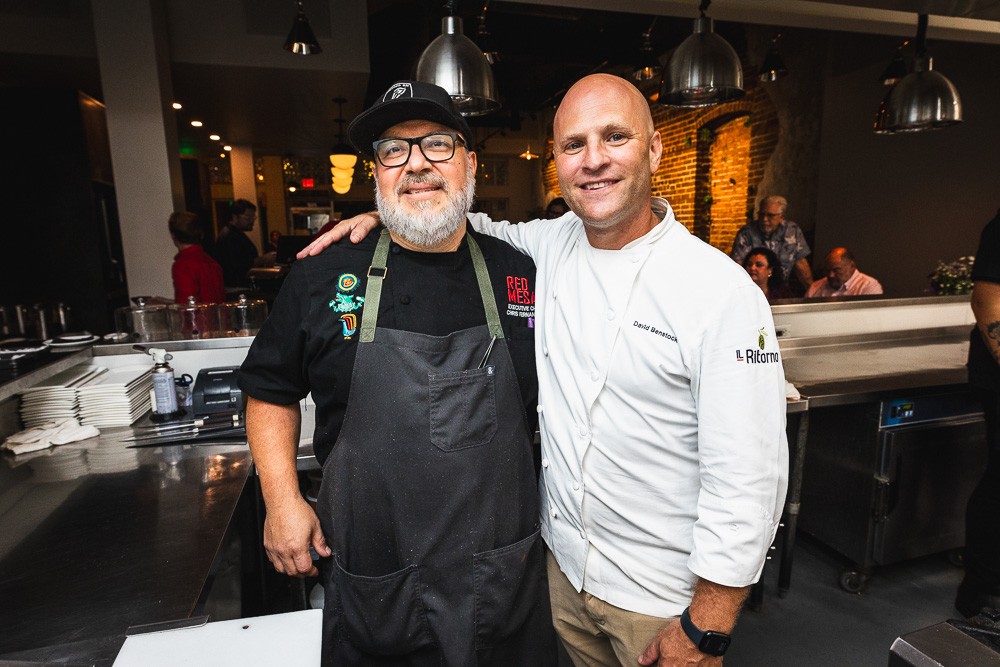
96, 537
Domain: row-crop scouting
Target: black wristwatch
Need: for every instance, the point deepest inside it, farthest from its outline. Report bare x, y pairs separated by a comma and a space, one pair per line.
707, 641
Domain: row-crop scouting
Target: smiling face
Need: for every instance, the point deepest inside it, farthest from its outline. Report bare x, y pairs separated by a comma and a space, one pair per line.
422, 203
606, 151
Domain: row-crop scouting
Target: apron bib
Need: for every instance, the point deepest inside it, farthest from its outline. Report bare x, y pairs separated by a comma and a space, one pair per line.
430, 503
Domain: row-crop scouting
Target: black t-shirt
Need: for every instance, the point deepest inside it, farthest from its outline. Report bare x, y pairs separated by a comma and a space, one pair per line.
235, 253
310, 339
983, 368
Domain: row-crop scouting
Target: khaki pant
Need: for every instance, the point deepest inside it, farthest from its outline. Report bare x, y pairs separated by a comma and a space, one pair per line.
595, 633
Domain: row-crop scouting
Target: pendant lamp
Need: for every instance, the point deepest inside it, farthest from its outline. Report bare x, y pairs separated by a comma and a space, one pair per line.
648, 67
773, 67
704, 70
528, 155
342, 157
301, 39
923, 99
454, 62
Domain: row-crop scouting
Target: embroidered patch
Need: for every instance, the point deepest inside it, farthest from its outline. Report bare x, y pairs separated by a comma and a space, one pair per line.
520, 298
346, 303
752, 356
350, 324
347, 282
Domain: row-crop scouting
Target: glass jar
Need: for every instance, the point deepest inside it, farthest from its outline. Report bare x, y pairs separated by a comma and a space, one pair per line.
192, 320
143, 323
245, 317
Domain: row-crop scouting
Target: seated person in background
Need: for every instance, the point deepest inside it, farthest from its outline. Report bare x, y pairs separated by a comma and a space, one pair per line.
783, 237
273, 238
557, 208
843, 278
765, 271
194, 272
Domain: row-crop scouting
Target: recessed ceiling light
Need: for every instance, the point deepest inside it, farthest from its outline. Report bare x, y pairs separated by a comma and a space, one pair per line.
214, 137
177, 105
227, 148
196, 123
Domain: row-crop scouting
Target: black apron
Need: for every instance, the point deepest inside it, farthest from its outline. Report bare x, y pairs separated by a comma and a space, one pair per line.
430, 503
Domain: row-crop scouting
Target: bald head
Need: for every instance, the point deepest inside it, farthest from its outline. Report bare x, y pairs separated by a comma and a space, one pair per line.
840, 267
606, 151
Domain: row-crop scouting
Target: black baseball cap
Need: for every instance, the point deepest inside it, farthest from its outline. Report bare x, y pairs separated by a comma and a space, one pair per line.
403, 101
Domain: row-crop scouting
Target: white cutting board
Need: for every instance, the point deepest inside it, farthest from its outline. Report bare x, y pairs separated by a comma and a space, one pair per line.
280, 639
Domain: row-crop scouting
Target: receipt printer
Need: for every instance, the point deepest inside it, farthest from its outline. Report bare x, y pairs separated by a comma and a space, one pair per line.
216, 391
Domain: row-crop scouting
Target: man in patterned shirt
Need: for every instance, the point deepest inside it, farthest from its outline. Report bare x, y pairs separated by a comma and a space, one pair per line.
783, 237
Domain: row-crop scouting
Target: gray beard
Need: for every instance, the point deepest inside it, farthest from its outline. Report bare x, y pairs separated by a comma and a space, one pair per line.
426, 228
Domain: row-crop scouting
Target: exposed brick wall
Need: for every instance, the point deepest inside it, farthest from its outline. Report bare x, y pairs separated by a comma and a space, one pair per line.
702, 150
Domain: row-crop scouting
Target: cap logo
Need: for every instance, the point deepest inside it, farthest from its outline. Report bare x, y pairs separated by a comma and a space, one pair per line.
397, 91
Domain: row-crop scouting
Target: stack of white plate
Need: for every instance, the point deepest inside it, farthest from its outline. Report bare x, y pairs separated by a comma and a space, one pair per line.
55, 398
116, 398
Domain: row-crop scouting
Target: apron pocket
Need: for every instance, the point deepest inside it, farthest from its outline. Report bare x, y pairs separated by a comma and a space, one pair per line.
463, 408
508, 582
382, 615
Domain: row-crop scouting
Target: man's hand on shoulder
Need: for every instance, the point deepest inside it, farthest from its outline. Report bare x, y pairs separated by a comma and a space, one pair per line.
358, 227
289, 530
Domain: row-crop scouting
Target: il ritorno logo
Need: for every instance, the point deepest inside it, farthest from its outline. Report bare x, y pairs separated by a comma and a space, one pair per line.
758, 356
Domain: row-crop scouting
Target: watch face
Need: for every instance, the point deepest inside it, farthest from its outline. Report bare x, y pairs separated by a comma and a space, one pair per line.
714, 643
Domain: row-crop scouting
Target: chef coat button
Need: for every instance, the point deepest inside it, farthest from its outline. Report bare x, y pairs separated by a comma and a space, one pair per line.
404, 300
635, 259
545, 350
576, 486
395, 249
611, 313
555, 515
595, 375
583, 431
538, 408
583, 534
545, 463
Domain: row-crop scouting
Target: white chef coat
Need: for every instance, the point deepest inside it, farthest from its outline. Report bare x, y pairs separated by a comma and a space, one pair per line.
662, 412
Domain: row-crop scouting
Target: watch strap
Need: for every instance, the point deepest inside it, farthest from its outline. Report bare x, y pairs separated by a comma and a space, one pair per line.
690, 629
708, 641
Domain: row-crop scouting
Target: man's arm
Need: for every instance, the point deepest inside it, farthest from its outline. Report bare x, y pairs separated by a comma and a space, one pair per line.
713, 607
986, 308
291, 525
803, 271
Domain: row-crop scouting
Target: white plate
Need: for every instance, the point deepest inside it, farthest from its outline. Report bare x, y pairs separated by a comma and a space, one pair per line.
71, 343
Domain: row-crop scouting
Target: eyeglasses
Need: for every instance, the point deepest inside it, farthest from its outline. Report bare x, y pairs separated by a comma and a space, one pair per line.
394, 152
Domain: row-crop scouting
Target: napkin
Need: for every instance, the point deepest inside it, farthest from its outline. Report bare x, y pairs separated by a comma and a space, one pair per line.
43, 436
791, 392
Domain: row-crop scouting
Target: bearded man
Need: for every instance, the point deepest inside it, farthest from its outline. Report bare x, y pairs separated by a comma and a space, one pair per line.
425, 390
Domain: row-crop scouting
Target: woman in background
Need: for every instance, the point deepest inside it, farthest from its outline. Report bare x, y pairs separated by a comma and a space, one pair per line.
194, 272
765, 270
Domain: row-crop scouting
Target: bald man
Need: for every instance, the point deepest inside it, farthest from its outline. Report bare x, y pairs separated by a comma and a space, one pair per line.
661, 401
843, 278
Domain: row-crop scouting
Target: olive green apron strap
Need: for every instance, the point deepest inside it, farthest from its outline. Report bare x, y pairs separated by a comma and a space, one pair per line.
485, 288
373, 291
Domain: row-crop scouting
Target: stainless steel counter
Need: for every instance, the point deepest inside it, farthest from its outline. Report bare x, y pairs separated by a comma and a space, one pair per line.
95, 537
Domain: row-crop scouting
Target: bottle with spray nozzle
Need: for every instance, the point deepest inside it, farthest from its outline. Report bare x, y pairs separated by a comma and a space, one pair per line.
163, 395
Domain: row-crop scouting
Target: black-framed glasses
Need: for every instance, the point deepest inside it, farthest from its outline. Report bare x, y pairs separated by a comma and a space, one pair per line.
437, 147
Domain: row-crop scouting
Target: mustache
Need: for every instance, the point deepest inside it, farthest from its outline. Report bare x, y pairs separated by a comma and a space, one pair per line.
421, 179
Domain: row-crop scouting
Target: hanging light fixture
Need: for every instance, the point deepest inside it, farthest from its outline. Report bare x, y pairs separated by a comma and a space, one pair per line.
301, 38
704, 70
923, 99
454, 62
342, 157
773, 67
528, 155
648, 67
896, 69
484, 40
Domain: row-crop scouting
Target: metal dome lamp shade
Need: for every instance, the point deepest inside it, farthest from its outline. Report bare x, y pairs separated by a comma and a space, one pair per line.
704, 70
301, 39
923, 99
454, 62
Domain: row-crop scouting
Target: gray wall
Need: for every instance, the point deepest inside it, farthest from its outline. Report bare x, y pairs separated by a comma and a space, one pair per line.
902, 202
